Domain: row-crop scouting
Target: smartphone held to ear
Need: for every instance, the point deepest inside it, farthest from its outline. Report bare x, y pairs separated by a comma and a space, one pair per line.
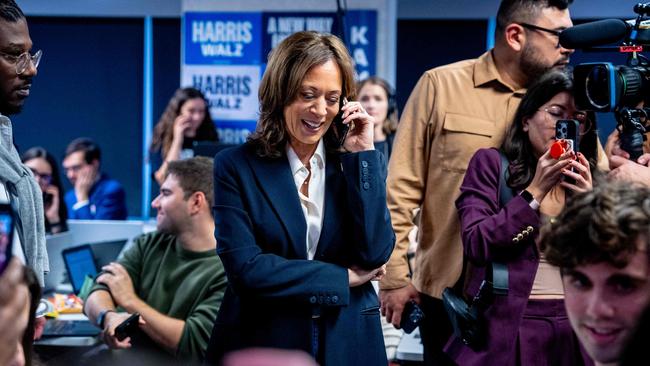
7, 222
341, 129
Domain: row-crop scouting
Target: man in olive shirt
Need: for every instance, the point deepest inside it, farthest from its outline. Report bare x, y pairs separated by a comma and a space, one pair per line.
453, 111
172, 277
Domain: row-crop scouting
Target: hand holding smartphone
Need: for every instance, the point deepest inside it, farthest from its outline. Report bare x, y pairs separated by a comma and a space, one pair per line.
128, 327
568, 130
341, 129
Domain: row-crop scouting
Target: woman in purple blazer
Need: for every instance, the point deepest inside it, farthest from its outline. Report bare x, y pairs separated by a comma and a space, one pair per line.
528, 326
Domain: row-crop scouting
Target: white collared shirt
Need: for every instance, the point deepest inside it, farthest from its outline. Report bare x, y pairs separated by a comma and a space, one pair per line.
312, 206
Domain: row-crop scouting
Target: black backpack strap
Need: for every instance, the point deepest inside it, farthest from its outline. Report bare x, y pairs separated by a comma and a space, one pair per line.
500, 270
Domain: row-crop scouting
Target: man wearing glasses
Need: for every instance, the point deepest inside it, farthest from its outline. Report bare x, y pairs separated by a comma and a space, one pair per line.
453, 111
18, 63
17, 184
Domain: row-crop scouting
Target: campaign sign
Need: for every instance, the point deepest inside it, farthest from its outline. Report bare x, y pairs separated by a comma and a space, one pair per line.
276, 26
230, 90
222, 38
361, 34
235, 132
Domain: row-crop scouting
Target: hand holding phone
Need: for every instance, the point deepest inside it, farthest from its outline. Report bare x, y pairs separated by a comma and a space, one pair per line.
128, 327
341, 129
411, 317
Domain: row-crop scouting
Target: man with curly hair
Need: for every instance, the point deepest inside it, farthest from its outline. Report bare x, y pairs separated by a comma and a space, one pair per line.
601, 242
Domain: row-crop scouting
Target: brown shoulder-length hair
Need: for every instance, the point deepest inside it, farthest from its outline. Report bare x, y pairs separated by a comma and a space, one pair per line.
288, 65
389, 126
163, 133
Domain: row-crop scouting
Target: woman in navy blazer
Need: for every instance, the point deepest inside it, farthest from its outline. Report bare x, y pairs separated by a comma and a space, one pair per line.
301, 222
528, 326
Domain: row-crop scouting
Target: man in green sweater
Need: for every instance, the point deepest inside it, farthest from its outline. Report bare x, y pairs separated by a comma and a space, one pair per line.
172, 277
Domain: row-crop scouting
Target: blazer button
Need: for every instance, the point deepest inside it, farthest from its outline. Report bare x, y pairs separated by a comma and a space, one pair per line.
335, 299
313, 299
529, 229
515, 240
364, 171
366, 185
364, 163
520, 236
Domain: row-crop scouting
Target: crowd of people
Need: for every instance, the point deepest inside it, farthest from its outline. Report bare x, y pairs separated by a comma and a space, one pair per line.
292, 248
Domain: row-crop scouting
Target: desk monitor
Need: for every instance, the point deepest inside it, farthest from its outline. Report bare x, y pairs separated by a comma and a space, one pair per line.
55, 245
96, 231
107, 252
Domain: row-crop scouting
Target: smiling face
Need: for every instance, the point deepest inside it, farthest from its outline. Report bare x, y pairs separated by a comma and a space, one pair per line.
171, 206
194, 109
541, 52
604, 302
540, 127
309, 116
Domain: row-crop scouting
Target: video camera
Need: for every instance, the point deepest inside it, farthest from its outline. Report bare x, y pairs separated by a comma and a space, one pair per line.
603, 87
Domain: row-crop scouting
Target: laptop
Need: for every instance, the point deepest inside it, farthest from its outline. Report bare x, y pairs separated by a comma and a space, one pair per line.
69, 328
80, 263
88, 260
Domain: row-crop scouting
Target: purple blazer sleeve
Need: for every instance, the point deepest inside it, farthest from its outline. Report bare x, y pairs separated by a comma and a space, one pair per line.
488, 230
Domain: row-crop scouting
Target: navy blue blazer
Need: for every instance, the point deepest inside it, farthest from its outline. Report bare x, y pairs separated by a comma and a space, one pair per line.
107, 201
274, 292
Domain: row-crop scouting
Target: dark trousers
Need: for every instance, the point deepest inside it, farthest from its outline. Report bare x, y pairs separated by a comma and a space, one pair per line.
435, 330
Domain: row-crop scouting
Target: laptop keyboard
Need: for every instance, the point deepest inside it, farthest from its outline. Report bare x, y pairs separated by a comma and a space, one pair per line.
74, 328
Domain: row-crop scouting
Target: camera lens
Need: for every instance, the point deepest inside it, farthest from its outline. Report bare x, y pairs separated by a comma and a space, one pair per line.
597, 88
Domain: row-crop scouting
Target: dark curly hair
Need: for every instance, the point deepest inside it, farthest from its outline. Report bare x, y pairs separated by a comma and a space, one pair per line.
602, 225
516, 145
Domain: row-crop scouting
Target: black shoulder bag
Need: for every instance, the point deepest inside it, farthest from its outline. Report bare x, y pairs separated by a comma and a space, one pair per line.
467, 319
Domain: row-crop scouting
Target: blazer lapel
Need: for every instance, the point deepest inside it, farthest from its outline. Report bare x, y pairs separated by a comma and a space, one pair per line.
276, 181
334, 204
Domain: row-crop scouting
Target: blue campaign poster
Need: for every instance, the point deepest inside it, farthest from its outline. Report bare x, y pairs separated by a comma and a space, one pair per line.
225, 54
222, 38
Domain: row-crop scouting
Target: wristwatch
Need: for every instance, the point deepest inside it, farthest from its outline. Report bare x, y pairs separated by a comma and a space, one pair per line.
101, 317
528, 197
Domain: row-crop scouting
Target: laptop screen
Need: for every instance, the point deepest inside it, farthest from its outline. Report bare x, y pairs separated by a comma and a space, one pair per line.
80, 262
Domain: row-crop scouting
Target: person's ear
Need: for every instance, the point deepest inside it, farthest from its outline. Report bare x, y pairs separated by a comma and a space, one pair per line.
515, 37
196, 202
524, 124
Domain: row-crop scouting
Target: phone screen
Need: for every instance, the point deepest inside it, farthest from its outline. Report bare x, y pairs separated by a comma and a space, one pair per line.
6, 235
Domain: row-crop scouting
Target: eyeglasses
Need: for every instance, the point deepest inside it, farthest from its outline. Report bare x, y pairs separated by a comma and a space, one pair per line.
558, 113
22, 61
45, 178
542, 29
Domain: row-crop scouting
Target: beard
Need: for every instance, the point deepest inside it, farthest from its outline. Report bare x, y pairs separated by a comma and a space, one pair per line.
532, 63
8, 109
